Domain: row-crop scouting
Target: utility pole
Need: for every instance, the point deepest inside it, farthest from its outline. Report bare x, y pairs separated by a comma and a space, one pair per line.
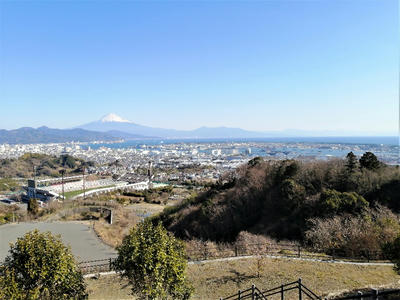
62, 182
150, 174
34, 180
84, 189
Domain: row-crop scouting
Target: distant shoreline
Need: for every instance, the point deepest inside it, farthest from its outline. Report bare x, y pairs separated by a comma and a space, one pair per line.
359, 140
355, 140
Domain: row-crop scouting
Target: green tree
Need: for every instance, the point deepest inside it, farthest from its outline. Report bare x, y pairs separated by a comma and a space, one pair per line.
39, 266
293, 195
154, 262
255, 161
33, 206
287, 170
351, 163
68, 160
369, 161
332, 202
392, 251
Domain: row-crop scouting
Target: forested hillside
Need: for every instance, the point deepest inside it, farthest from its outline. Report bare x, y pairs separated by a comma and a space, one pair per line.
46, 165
336, 200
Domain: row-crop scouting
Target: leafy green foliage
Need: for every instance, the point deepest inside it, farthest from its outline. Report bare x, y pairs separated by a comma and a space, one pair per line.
154, 262
39, 266
277, 198
68, 160
33, 206
332, 202
392, 251
369, 161
288, 169
292, 195
388, 194
255, 161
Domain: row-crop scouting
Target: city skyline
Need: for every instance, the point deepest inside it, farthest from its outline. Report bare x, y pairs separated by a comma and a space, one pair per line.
260, 66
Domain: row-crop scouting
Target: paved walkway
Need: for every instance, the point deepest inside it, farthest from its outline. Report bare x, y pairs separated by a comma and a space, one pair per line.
267, 256
294, 258
85, 245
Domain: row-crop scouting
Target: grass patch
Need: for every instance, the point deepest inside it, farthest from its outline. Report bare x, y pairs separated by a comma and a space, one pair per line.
220, 279
112, 234
8, 184
108, 287
71, 194
124, 218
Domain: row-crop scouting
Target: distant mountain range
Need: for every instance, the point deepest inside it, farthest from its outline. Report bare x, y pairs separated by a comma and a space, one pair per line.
112, 122
112, 128
29, 135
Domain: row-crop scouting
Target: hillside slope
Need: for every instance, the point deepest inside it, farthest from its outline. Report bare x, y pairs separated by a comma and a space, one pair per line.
46, 165
28, 135
278, 199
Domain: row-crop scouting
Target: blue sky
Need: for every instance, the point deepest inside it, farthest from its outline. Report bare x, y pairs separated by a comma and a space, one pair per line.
258, 65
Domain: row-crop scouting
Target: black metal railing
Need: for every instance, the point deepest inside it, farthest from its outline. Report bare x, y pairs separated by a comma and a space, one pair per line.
374, 294
208, 252
95, 266
255, 293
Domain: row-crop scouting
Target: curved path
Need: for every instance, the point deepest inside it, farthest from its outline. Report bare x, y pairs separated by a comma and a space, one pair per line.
84, 243
295, 258
267, 256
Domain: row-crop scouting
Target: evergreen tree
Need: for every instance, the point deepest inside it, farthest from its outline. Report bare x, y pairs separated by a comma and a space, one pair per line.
369, 161
351, 163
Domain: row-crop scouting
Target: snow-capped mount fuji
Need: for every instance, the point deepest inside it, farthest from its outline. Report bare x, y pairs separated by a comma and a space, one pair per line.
113, 118
113, 124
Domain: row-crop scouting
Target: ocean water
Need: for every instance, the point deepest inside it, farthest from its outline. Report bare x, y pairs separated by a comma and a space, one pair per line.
378, 140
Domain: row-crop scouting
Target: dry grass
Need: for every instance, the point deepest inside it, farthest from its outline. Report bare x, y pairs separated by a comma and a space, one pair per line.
124, 218
112, 234
219, 279
108, 287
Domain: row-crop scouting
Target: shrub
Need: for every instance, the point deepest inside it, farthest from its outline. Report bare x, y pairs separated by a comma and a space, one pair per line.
349, 235
39, 266
392, 251
33, 206
154, 262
